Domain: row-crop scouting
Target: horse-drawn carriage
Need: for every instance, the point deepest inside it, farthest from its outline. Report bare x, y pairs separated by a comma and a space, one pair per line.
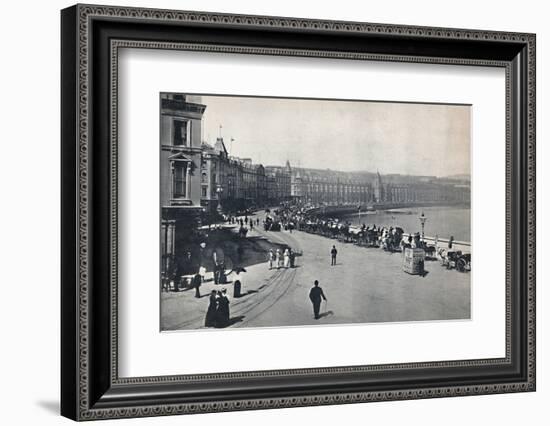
243, 231
455, 259
271, 225
371, 237
391, 239
289, 226
344, 234
429, 250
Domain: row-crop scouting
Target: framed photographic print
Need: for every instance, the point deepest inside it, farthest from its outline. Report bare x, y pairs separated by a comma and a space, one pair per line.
263, 212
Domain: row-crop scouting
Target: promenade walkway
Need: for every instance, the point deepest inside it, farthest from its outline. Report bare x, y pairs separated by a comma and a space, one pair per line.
366, 285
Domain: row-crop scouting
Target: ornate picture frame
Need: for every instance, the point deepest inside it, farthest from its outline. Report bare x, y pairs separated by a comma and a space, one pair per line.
91, 37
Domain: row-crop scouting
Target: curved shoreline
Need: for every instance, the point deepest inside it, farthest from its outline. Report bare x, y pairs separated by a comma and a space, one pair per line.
342, 210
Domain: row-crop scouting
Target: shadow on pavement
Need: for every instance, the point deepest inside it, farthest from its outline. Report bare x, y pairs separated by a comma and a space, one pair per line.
326, 314
248, 292
233, 320
254, 250
283, 268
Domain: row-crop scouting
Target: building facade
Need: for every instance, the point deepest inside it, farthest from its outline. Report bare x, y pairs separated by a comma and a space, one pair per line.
180, 186
316, 186
278, 184
230, 184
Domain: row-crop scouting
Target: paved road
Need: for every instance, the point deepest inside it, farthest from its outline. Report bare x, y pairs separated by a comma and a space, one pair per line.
366, 285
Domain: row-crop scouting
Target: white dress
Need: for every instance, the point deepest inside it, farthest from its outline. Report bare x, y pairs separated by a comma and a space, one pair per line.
287, 258
202, 272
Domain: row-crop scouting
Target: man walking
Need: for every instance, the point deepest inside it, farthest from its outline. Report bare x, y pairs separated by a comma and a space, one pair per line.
333, 254
315, 295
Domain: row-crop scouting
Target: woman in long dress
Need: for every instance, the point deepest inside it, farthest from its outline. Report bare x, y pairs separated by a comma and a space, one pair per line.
287, 258
210, 320
278, 258
270, 258
223, 310
202, 273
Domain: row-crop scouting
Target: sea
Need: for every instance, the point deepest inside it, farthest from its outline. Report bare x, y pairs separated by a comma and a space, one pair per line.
441, 221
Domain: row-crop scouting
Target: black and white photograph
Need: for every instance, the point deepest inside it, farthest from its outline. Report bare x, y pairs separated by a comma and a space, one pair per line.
280, 212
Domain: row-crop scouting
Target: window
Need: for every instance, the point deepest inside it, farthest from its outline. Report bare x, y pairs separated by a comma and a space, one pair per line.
181, 132
204, 191
204, 178
179, 186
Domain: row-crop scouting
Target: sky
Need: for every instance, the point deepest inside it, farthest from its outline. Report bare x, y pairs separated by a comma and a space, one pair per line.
404, 138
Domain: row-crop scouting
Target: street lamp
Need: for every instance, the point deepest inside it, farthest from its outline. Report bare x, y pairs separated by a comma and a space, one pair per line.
422, 222
219, 190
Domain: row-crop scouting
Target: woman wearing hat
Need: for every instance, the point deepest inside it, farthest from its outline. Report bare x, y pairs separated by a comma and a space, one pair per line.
223, 309
211, 313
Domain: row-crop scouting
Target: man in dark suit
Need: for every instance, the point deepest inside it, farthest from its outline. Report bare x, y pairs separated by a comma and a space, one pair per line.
316, 295
333, 254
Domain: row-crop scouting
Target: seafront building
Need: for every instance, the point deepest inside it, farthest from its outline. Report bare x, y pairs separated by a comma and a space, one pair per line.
180, 189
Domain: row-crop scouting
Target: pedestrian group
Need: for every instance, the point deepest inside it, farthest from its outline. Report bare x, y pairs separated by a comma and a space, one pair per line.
278, 259
218, 314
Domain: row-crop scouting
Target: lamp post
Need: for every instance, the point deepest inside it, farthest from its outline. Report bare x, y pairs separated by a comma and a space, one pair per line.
219, 190
422, 222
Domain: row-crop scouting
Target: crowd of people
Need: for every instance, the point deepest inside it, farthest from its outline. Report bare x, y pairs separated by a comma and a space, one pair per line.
244, 223
392, 238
